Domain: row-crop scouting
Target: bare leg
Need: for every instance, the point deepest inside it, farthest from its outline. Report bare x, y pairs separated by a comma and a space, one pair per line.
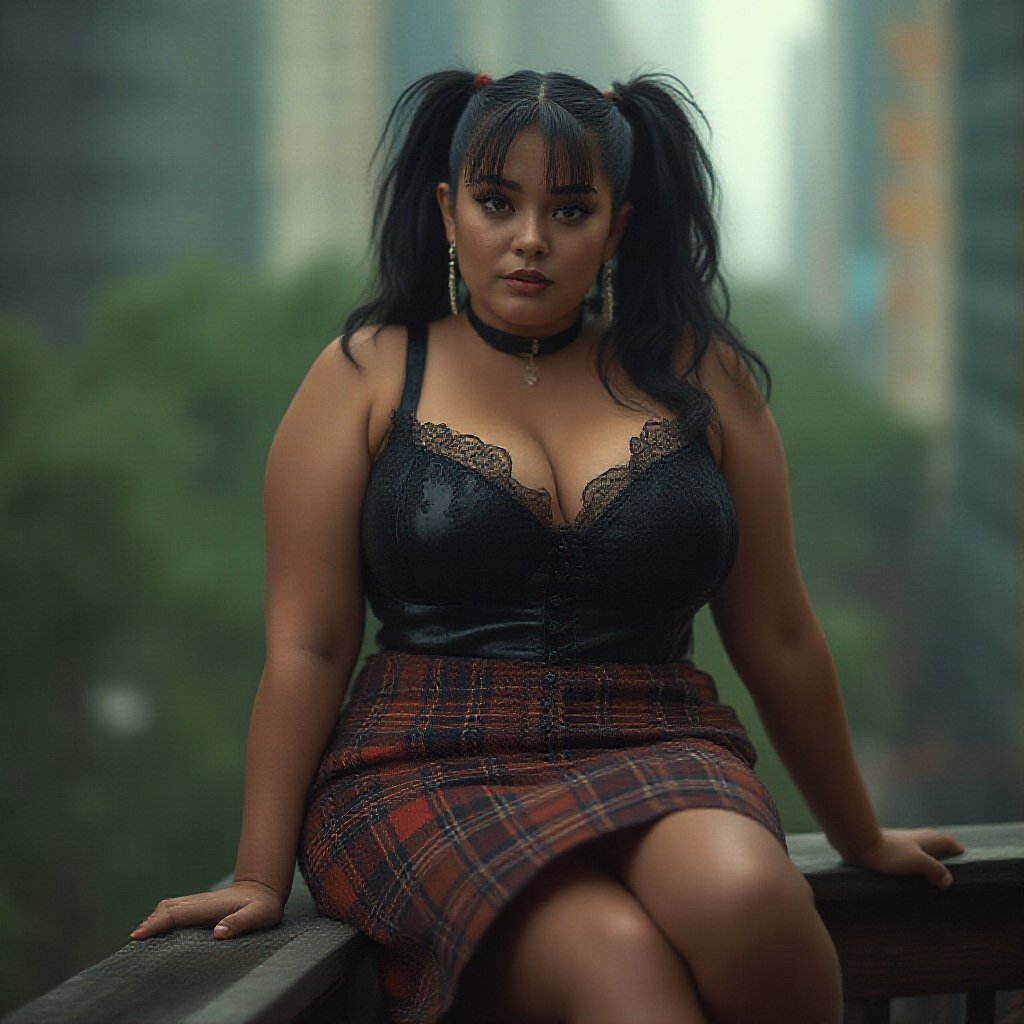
574, 947
734, 906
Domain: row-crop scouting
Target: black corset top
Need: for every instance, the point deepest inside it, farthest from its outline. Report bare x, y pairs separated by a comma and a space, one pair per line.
460, 558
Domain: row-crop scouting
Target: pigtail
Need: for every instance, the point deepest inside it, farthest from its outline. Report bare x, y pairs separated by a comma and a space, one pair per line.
410, 247
667, 270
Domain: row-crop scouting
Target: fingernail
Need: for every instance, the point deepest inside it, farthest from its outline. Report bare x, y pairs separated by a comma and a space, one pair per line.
221, 931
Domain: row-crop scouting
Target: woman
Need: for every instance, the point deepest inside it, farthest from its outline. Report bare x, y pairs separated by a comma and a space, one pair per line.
538, 451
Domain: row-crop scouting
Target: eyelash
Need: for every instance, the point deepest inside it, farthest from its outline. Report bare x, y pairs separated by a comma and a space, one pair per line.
486, 197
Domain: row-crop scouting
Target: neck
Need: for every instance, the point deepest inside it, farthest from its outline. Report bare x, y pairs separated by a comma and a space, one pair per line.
541, 344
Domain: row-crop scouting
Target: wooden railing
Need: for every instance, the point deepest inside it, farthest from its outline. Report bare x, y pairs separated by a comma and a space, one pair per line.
895, 936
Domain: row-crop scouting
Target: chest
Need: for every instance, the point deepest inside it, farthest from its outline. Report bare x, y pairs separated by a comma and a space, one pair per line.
445, 519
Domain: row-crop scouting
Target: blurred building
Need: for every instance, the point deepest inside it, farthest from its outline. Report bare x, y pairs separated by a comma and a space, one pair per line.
334, 73
914, 208
969, 709
130, 138
139, 133
873, 195
817, 234
327, 83
908, 235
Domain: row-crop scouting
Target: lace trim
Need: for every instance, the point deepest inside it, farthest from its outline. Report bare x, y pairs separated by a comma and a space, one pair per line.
489, 460
656, 439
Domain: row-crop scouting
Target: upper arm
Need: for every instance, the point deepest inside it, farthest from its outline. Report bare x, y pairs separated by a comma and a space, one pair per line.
316, 475
763, 603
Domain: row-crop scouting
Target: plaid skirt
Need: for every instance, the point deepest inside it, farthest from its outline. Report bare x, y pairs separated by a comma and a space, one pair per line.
449, 782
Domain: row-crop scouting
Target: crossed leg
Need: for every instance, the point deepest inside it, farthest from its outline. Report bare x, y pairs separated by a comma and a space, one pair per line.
737, 911
575, 947
699, 916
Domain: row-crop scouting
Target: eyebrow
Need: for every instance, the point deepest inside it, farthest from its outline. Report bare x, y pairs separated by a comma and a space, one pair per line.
574, 189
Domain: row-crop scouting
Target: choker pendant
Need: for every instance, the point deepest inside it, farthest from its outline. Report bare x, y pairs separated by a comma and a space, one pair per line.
528, 348
531, 366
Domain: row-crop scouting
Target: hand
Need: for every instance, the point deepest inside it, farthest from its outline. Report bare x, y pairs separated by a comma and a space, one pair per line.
910, 851
235, 909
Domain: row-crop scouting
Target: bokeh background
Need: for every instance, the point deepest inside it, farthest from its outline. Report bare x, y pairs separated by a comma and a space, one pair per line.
183, 224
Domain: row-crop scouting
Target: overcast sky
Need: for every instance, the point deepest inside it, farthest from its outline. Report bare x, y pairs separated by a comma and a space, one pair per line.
734, 55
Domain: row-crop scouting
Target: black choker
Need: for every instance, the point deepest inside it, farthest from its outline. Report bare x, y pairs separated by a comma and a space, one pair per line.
524, 345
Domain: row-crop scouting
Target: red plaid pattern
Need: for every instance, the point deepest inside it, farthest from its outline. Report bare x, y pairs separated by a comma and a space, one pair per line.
449, 782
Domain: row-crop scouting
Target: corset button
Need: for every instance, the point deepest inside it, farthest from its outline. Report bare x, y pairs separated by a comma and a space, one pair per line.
549, 677
553, 657
545, 702
563, 545
556, 599
554, 626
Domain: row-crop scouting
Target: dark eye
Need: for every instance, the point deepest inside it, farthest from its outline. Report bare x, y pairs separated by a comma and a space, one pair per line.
494, 202
573, 213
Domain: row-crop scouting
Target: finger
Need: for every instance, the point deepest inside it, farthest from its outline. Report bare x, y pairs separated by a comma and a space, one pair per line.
252, 915
941, 845
176, 913
936, 872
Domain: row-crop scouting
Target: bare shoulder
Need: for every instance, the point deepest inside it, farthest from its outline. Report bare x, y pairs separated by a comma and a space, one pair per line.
360, 386
739, 405
316, 476
725, 374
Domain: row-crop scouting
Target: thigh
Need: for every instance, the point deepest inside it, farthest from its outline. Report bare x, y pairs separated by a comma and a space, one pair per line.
559, 937
704, 872
724, 892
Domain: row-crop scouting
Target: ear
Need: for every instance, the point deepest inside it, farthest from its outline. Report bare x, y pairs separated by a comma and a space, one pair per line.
447, 206
618, 228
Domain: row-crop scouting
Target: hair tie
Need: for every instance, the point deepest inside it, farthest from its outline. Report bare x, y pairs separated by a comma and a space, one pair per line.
612, 97
481, 80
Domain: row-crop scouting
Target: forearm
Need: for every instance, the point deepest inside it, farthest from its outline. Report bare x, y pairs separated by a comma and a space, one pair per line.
799, 700
295, 709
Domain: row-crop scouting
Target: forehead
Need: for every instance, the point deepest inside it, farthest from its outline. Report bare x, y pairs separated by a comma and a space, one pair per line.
533, 159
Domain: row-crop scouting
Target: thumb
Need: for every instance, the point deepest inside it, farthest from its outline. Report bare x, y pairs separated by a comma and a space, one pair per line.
936, 872
246, 918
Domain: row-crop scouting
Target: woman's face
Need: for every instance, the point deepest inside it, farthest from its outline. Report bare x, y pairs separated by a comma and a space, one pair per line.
511, 229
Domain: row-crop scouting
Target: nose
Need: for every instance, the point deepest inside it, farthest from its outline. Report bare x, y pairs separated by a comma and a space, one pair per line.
530, 238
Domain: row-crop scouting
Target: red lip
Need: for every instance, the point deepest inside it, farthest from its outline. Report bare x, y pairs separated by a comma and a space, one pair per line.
528, 275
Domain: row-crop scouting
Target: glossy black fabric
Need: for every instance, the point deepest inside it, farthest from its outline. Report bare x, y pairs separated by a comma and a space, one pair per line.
460, 559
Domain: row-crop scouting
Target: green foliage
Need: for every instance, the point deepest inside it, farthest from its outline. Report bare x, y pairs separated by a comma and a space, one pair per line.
131, 554
857, 484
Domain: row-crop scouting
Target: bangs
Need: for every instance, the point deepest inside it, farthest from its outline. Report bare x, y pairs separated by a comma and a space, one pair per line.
569, 150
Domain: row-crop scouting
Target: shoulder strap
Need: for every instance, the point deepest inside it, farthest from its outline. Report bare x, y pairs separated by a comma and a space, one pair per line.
415, 358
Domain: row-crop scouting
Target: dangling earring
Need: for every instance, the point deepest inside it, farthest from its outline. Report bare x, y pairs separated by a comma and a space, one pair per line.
453, 294
607, 293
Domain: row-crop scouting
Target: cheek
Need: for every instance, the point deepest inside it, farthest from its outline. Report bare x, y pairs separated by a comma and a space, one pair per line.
589, 252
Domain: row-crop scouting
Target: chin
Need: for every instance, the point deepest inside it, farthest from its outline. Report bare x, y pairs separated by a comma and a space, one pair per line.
529, 312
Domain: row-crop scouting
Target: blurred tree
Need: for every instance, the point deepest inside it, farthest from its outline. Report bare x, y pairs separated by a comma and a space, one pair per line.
857, 482
131, 554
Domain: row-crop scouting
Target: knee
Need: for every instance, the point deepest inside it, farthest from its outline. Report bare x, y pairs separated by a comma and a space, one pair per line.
620, 938
752, 902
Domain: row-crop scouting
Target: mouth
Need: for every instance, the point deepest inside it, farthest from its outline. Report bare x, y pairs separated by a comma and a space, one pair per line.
530, 276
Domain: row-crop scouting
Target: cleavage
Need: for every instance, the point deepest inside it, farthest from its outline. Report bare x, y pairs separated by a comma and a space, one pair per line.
654, 438
533, 477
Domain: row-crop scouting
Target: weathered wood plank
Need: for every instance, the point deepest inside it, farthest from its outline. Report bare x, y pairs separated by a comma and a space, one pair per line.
994, 856
895, 936
187, 975
929, 943
904, 937
867, 1011
981, 1008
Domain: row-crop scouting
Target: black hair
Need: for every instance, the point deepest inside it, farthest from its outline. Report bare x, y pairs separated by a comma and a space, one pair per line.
666, 270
